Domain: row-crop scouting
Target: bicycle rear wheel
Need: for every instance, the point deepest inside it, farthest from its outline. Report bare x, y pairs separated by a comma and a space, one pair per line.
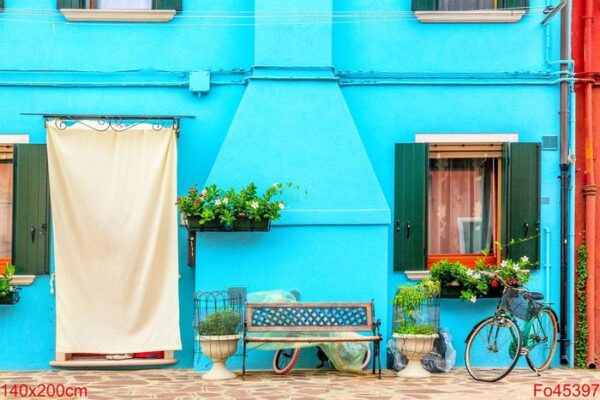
284, 360
493, 348
541, 340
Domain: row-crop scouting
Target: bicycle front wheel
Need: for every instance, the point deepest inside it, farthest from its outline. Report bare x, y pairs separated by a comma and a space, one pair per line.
493, 348
541, 339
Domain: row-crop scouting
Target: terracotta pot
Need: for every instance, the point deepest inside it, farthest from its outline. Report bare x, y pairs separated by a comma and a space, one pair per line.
218, 349
414, 347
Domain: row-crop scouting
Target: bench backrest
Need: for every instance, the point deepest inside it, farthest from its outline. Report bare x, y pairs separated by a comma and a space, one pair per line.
317, 317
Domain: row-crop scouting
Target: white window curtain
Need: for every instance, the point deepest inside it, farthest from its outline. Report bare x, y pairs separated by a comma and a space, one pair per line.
125, 4
115, 238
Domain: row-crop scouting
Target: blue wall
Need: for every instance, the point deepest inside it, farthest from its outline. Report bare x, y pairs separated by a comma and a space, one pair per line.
398, 77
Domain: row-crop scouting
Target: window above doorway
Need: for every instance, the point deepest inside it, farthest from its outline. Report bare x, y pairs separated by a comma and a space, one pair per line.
469, 11
119, 10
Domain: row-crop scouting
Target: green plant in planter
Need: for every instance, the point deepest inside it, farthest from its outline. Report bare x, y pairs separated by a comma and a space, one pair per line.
5, 281
214, 204
220, 323
409, 301
472, 284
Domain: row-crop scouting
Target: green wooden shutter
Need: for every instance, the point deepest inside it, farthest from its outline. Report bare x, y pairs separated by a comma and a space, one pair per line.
70, 4
167, 5
513, 3
424, 5
523, 192
31, 210
410, 208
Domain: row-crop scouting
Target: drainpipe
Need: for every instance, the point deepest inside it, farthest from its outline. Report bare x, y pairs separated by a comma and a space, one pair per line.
589, 189
565, 183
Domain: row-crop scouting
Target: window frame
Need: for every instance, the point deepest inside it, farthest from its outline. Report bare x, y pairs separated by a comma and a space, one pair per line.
520, 193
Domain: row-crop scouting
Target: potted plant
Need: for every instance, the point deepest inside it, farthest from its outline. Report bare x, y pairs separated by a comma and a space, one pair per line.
416, 318
214, 209
458, 280
9, 294
219, 335
254, 212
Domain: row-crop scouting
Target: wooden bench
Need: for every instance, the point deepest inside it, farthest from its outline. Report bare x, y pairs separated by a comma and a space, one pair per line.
290, 318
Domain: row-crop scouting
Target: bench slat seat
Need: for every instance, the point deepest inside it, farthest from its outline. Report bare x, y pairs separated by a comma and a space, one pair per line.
313, 339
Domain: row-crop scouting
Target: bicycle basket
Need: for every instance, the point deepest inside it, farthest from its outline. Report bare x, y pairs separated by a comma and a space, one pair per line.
515, 302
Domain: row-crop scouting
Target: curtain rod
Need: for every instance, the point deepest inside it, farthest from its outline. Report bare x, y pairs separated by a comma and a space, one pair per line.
106, 122
110, 116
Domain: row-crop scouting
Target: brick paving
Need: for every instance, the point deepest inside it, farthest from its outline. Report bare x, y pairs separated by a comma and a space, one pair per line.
186, 384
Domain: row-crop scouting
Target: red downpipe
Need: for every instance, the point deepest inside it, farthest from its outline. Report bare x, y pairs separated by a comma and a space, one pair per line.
589, 190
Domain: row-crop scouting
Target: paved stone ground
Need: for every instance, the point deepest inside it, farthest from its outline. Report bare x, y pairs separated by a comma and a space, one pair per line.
298, 385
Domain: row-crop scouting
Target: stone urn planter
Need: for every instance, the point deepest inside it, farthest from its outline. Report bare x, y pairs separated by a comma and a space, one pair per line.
218, 349
414, 347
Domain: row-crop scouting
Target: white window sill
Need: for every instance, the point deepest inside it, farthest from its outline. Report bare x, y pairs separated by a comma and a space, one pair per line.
22, 280
476, 16
417, 275
81, 15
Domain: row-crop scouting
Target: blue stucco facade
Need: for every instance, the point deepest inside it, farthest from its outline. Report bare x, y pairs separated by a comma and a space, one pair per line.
317, 101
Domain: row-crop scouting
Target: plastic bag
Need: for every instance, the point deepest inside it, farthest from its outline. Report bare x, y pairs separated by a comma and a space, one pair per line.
443, 356
347, 357
441, 359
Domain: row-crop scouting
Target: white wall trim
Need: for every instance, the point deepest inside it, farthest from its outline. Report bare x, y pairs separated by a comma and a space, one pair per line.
12, 139
470, 16
466, 137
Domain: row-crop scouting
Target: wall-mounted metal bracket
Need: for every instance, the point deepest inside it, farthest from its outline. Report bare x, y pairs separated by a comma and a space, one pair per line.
191, 261
551, 11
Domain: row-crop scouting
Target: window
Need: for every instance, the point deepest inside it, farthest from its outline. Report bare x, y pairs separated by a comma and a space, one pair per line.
454, 200
120, 4
467, 5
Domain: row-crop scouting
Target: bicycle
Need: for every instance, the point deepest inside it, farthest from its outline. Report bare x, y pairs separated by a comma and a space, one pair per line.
285, 359
495, 344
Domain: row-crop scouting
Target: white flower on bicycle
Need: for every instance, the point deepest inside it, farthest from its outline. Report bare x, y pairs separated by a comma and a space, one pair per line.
469, 272
254, 204
524, 259
218, 202
516, 268
281, 206
473, 299
504, 263
476, 275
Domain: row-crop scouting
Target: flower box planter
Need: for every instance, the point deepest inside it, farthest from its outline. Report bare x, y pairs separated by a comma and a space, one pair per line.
193, 223
11, 298
243, 224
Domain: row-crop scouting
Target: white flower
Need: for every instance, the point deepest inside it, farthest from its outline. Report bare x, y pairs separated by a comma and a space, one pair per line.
218, 202
504, 263
204, 192
516, 268
476, 275
281, 206
225, 200
469, 272
524, 259
473, 299
254, 204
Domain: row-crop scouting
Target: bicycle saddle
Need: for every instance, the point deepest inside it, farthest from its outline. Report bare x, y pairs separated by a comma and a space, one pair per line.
534, 296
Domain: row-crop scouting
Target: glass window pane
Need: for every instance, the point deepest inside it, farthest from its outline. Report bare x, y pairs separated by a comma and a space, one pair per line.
461, 215
6, 189
125, 4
